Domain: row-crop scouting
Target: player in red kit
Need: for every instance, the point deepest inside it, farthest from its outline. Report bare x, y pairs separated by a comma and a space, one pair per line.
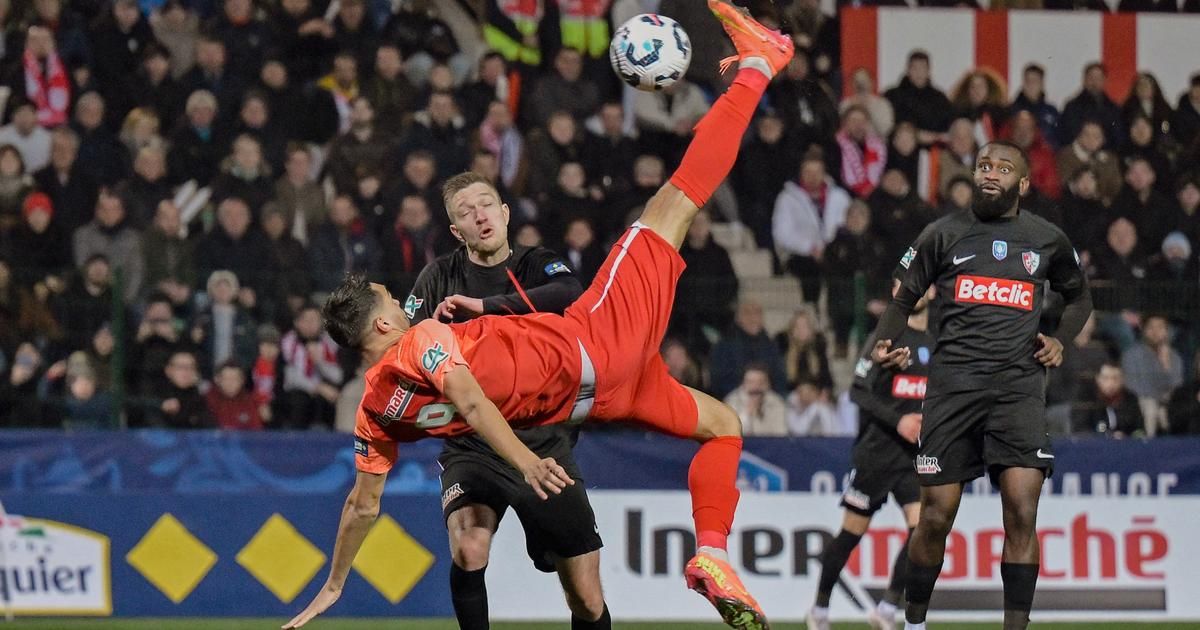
598, 361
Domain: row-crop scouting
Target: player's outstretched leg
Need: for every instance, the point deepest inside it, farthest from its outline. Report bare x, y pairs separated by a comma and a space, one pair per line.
712, 482
710, 156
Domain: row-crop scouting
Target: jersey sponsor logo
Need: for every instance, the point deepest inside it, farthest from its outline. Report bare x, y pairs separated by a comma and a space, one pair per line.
927, 465
862, 368
856, 498
411, 305
399, 402
433, 357
1031, 260
994, 291
909, 386
452, 493
958, 260
360, 446
556, 268
1000, 249
908, 257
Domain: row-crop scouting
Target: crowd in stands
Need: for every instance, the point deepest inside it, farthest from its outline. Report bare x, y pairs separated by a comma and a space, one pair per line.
181, 183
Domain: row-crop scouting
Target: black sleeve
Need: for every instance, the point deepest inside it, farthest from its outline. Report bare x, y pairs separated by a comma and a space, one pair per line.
1067, 278
920, 262
865, 388
549, 285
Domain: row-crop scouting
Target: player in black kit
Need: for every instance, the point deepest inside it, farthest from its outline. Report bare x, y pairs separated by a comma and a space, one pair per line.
985, 399
889, 422
483, 277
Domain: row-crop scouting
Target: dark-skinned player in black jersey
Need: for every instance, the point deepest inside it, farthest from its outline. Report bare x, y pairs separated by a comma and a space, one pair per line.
985, 398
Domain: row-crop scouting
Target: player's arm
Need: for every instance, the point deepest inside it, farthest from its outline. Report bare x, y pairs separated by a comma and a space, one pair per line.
560, 289
1066, 278
359, 512
865, 392
464, 392
920, 262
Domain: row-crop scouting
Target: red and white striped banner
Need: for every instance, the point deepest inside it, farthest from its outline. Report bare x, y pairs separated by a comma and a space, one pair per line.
958, 40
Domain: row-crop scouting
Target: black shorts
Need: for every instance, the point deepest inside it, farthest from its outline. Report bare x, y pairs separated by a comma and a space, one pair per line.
870, 486
964, 434
562, 526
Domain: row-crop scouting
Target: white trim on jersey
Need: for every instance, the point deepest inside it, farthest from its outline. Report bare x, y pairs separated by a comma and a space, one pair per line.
612, 273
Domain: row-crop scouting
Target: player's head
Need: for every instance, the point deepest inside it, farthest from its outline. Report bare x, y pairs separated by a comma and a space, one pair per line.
478, 219
358, 310
1001, 179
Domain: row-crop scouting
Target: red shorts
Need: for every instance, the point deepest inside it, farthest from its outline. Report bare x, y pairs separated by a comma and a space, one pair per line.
622, 318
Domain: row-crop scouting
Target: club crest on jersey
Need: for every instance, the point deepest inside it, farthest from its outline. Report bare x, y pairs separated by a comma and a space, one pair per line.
433, 357
1000, 249
557, 267
411, 305
1031, 260
908, 257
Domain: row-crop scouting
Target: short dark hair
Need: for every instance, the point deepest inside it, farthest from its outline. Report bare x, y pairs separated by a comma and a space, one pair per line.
1095, 65
348, 309
1014, 147
918, 55
1036, 69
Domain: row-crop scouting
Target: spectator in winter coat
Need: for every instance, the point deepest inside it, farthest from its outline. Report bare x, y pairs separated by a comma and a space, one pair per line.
808, 213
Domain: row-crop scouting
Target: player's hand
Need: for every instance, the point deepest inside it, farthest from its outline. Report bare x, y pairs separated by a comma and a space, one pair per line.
324, 599
884, 355
456, 305
1050, 351
909, 427
545, 474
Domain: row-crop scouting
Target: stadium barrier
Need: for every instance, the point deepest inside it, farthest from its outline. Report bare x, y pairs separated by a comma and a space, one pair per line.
152, 523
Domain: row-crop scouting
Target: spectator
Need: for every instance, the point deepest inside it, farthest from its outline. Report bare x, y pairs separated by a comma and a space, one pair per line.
1075, 378
803, 349
86, 304
1113, 409
234, 245
571, 198
197, 145
680, 364
1032, 99
110, 235
304, 38
1022, 129
224, 330
1183, 410
1149, 210
564, 89
265, 371
1087, 149
762, 411
308, 116
1145, 100
809, 413
499, 137
418, 177
355, 32
360, 149
424, 38
747, 342
1153, 369
85, 404
581, 249
1091, 105
100, 152
767, 161
979, 97
230, 405
157, 337
255, 119
68, 30
1118, 269
288, 259
917, 101
156, 88
244, 175
1083, 213
119, 39
311, 373
41, 249
1172, 286
338, 89
440, 130
212, 74
608, 150
178, 403
340, 245
808, 213
42, 77
29, 138
905, 155
246, 36
72, 191
15, 185
1185, 124
298, 197
411, 244
148, 186
878, 109
956, 157
1143, 143
707, 287
805, 104
548, 149
1187, 219
177, 27
959, 196
139, 129
389, 91
863, 154
20, 405
855, 252
170, 261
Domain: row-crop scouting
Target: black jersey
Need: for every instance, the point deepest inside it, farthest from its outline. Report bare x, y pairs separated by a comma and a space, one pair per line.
530, 280
990, 278
883, 396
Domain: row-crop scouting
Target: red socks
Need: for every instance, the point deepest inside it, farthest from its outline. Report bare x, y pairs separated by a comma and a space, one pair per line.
712, 480
713, 150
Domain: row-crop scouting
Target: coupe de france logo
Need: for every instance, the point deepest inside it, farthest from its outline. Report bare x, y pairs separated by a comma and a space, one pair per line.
411, 305
1031, 260
1000, 249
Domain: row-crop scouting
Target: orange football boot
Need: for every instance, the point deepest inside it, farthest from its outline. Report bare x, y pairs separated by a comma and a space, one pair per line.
719, 584
750, 38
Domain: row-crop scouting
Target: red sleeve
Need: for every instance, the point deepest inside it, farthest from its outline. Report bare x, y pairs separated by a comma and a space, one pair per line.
374, 450
429, 354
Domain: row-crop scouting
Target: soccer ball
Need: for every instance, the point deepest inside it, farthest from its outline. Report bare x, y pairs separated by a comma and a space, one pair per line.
650, 51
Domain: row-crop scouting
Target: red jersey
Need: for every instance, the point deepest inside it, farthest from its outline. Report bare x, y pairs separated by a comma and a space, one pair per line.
529, 366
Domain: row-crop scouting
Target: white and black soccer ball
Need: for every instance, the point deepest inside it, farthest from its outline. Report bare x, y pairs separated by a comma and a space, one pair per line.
650, 51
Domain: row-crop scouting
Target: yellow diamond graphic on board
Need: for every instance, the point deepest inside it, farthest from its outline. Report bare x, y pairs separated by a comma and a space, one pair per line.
391, 560
281, 558
171, 558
